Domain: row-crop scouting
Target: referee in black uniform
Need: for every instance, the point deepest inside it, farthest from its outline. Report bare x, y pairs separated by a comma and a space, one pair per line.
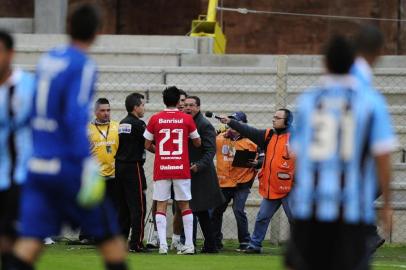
130, 176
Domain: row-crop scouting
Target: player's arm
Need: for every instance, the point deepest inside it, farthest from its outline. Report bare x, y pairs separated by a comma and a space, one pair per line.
384, 142
384, 167
193, 133
149, 146
149, 137
197, 142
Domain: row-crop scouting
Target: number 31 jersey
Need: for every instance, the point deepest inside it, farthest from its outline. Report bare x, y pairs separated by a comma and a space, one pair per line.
171, 129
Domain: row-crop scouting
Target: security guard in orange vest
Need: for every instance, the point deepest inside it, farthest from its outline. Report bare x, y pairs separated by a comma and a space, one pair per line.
235, 182
276, 175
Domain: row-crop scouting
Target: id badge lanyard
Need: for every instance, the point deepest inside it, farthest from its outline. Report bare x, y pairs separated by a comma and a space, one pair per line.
108, 147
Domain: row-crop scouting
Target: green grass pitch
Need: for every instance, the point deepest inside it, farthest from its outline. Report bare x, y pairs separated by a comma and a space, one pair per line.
62, 256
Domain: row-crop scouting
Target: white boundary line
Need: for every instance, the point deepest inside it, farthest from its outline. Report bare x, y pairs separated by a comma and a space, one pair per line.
403, 266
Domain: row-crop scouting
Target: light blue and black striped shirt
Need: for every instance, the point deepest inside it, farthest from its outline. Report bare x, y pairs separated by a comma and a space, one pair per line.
16, 96
340, 126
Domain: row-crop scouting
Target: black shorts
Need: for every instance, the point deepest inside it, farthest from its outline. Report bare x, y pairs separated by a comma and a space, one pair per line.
9, 210
327, 246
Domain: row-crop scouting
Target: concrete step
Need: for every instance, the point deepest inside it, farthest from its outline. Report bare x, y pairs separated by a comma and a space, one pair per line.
308, 61
138, 57
123, 50
112, 43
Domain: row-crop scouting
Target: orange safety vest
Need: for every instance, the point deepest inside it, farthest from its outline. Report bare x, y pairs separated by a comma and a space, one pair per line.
277, 172
228, 175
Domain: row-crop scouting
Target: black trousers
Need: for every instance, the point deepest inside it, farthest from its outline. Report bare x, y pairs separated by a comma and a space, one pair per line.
206, 224
315, 245
9, 210
131, 188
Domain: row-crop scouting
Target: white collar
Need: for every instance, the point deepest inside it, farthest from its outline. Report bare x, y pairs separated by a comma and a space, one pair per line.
338, 80
14, 78
171, 110
364, 67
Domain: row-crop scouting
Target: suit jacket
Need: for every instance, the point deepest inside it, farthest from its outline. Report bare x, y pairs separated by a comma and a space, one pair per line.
206, 192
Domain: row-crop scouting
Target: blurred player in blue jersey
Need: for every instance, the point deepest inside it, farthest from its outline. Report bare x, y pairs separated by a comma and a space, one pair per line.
16, 93
61, 169
341, 127
368, 44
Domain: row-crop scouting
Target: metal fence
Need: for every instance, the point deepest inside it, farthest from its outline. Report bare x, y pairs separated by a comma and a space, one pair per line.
258, 92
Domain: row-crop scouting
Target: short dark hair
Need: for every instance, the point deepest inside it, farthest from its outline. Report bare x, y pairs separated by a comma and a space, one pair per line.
196, 98
132, 100
369, 40
339, 54
84, 22
171, 96
288, 116
182, 92
7, 40
101, 101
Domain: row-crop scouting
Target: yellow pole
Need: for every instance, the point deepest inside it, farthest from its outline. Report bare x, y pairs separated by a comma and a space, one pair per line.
211, 11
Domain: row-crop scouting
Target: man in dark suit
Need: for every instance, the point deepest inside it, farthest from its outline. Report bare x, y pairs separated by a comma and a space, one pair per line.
206, 192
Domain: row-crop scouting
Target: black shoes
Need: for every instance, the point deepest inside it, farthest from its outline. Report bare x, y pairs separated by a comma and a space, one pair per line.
140, 249
208, 250
242, 248
252, 250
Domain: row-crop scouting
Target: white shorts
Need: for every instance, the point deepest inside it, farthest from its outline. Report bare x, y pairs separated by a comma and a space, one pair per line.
181, 187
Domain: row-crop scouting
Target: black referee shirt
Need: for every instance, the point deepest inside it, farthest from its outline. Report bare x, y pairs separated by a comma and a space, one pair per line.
131, 140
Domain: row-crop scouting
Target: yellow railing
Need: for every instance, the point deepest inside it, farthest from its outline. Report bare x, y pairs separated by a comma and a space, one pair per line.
207, 26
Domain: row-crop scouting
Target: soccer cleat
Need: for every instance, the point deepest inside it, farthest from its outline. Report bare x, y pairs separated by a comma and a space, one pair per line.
153, 243
187, 250
49, 241
163, 250
176, 245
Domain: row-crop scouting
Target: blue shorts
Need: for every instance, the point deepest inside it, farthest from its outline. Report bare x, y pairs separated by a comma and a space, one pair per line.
49, 201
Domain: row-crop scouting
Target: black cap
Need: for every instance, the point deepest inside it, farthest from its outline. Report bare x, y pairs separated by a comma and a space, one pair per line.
239, 116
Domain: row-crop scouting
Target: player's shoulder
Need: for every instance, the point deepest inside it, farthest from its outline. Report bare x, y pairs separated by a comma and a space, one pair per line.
369, 95
376, 95
21, 77
308, 96
76, 57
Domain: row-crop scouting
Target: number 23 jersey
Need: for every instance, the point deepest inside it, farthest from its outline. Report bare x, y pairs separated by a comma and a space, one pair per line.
171, 129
